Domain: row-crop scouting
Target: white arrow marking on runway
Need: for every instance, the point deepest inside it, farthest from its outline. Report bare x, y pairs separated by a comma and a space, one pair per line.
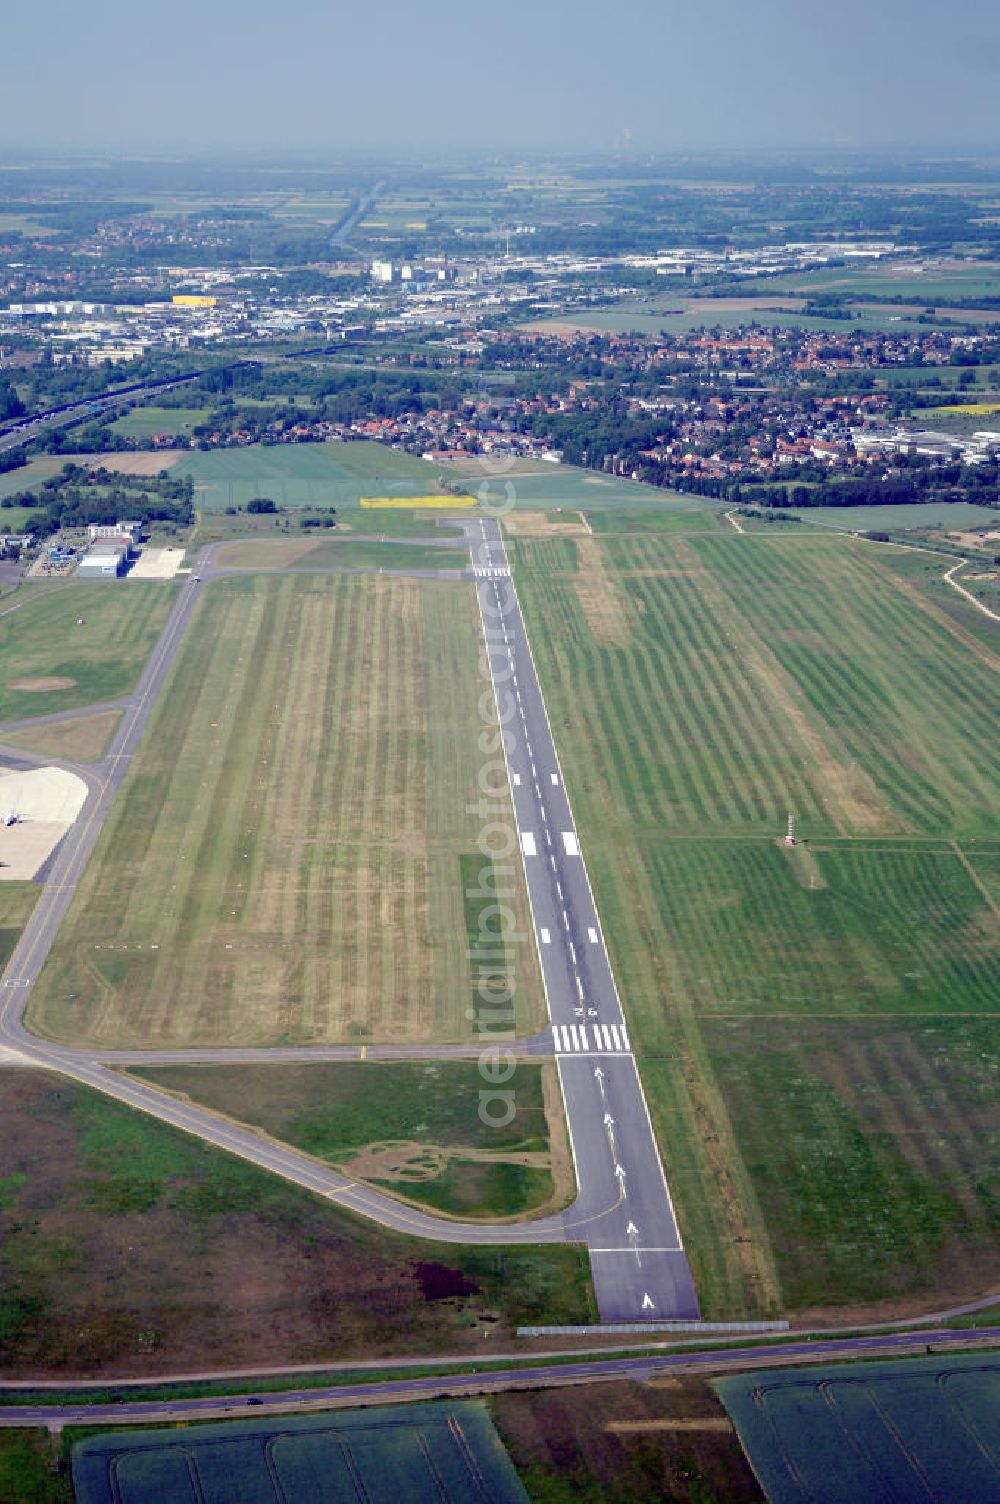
609, 1124
621, 1181
632, 1233
599, 1077
648, 1303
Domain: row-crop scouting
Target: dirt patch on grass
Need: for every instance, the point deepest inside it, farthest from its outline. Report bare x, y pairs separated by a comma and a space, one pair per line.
544, 525
143, 462
406, 1162
804, 865
601, 598
44, 684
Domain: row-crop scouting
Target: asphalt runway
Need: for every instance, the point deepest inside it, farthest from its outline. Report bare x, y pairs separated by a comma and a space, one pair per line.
623, 1213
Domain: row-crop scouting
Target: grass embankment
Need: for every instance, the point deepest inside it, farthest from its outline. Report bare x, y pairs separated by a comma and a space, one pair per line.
412, 1127
27, 1468
43, 639
132, 1248
814, 1029
82, 738
16, 903
284, 862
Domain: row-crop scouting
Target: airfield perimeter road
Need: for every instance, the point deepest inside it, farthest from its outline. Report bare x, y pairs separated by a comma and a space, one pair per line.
623, 1211
525, 1376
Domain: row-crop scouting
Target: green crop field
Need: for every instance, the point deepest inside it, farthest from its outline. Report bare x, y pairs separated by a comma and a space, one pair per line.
305, 475
42, 639
132, 1248
29, 477
144, 422
655, 520
414, 1452
700, 688
284, 863
931, 514
412, 1127
927, 1428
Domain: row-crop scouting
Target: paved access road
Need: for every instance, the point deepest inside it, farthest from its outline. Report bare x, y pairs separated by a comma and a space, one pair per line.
528, 1376
624, 1212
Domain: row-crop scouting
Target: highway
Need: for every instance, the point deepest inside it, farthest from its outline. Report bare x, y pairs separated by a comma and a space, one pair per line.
527, 1376
624, 1212
23, 430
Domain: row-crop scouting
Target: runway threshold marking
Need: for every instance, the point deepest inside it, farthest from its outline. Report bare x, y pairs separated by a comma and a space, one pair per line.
573, 1039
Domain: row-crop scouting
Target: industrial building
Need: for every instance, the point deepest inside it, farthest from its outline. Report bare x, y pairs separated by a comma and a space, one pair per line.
107, 559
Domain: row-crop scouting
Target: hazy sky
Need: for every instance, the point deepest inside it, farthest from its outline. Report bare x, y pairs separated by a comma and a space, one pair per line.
340, 75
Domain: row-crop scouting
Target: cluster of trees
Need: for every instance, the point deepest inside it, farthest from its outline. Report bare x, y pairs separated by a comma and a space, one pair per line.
12, 459
948, 483
77, 497
11, 405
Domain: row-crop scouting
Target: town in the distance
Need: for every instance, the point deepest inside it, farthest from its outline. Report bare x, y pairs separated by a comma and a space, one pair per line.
499, 836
